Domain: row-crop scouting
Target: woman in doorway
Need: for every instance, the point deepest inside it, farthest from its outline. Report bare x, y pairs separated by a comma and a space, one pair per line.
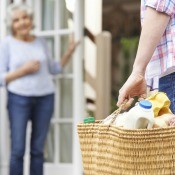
25, 69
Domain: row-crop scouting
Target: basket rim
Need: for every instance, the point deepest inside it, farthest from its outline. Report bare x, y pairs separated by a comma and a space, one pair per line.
97, 123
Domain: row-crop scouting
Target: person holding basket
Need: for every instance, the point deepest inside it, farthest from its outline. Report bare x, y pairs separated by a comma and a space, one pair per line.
154, 64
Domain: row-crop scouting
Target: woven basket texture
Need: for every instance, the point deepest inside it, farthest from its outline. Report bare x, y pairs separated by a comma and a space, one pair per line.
110, 150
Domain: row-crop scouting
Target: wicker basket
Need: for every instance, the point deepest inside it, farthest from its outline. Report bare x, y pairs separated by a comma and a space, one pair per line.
110, 150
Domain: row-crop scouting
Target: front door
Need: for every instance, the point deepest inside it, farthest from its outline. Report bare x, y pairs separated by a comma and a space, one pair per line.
55, 23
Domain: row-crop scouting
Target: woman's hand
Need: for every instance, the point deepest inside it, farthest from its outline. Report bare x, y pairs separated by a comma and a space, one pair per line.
30, 67
71, 48
134, 86
27, 68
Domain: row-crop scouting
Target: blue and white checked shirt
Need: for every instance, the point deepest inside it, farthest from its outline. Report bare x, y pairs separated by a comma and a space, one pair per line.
163, 60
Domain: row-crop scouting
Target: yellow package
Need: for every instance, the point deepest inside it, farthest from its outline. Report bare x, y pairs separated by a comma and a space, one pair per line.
160, 103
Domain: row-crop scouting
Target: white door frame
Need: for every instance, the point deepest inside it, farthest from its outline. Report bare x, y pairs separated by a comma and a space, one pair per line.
4, 134
78, 88
78, 100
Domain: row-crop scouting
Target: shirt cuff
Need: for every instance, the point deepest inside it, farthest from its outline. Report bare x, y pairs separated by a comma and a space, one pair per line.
55, 67
164, 6
152, 83
59, 68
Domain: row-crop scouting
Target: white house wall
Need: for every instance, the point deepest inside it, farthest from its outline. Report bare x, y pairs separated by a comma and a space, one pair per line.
93, 21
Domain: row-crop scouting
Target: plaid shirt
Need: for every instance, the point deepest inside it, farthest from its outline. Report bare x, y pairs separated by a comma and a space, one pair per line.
163, 59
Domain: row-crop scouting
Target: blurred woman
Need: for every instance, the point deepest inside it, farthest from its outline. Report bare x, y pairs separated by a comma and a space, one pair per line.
25, 70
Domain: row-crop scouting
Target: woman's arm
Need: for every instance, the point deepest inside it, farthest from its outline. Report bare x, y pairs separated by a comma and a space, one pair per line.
153, 28
6, 75
56, 67
72, 46
28, 68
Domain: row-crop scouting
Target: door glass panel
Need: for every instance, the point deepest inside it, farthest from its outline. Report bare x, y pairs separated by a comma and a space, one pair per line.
49, 146
63, 85
65, 140
66, 98
48, 14
66, 143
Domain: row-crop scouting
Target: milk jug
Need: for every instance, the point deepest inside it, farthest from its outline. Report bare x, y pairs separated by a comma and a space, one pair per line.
140, 116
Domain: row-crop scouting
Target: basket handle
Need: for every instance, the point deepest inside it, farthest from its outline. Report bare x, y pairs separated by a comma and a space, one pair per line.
116, 113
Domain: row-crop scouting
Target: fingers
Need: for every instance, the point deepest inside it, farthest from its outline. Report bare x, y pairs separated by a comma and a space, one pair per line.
29, 67
36, 62
122, 96
142, 97
33, 66
36, 66
124, 102
128, 104
121, 99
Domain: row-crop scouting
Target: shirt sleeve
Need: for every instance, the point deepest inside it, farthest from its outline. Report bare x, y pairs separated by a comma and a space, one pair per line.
165, 6
4, 61
53, 65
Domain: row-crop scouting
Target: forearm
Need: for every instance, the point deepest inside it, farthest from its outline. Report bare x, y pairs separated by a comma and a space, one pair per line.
153, 28
65, 58
10, 76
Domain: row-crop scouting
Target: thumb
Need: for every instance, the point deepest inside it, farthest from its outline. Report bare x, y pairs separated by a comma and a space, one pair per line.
121, 99
127, 104
142, 97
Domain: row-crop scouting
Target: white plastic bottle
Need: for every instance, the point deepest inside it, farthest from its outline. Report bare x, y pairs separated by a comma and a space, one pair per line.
140, 116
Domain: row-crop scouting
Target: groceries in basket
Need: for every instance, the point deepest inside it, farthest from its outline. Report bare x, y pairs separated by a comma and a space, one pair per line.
139, 117
109, 149
161, 107
89, 120
164, 120
160, 103
154, 112
172, 122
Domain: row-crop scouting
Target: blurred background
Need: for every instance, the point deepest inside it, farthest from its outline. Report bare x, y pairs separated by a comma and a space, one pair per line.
109, 32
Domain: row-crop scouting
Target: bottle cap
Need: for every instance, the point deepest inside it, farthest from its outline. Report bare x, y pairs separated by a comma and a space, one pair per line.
145, 104
89, 120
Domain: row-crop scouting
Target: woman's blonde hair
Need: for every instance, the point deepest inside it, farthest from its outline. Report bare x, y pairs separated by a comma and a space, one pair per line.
17, 6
